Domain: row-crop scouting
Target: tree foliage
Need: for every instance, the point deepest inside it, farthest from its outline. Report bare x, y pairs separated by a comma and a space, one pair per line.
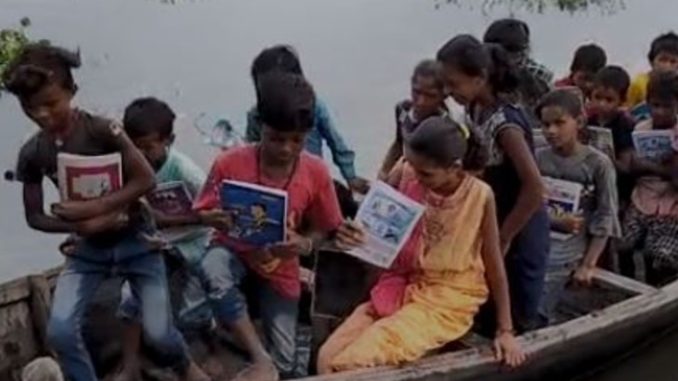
539, 6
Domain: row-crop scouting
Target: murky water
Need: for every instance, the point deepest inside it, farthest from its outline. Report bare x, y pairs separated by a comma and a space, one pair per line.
358, 54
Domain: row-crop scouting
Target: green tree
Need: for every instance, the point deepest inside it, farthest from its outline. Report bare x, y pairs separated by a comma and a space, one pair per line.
540, 6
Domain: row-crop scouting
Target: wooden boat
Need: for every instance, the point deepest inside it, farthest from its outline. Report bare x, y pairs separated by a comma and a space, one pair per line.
594, 325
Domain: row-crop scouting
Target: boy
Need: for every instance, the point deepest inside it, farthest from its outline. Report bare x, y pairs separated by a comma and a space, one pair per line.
587, 61
149, 122
566, 158
427, 99
112, 226
285, 105
663, 56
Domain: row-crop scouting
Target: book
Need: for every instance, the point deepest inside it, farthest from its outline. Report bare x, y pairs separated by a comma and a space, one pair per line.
562, 198
88, 177
388, 218
539, 139
601, 139
171, 198
654, 145
259, 214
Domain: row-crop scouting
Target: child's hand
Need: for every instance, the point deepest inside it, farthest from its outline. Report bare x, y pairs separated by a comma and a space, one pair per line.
508, 351
572, 223
294, 245
583, 275
102, 223
217, 218
67, 248
349, 236
77, 210
359, 185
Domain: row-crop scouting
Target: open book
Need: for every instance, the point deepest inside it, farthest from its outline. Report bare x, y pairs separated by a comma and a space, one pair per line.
388, 218
259, 214
562, 198
88, 177
655, 145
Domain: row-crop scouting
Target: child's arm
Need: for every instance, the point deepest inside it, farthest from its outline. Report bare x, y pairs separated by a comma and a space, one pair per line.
624, 161
530, 198
584, 273
395, 152
642, 167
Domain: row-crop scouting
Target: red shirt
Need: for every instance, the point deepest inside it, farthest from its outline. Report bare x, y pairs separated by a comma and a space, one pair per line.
311, 198
565, 82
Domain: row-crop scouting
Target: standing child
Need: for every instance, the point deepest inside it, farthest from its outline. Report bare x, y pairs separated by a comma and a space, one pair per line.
588, 60
113, 227
562, 116
149, 122
663, 56
285, 108
476, 76
427, 99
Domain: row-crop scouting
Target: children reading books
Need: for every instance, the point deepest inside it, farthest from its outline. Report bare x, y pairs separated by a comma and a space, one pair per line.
588, 60
477, 76
444, 273
663, 56
149, 122
112, 227
589, 228
285, 108
427, 99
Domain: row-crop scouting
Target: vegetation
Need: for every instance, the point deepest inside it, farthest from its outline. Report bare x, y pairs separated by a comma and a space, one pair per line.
607, 6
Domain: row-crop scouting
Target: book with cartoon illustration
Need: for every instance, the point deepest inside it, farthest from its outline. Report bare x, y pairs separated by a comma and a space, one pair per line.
88, 177
258, 213
562, 198
171, 198
654, 145
388, 218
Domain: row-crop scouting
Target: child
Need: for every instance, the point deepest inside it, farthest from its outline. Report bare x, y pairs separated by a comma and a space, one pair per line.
663, 56
285, 58
446, 271
112, 226
562, 116
587, 61
477, 76
285, 105
652, 220
149, 122
427, 99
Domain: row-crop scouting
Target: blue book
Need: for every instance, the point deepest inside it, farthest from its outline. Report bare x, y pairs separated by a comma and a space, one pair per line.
259, 213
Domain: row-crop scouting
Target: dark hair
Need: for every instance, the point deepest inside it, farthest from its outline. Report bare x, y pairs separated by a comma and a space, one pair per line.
429, 69
285, 101
588, 58
570, 99
145, 116
615, 78
665, 43
278, 57
37, 66
512, 34
474, 58
663, 86
446, 143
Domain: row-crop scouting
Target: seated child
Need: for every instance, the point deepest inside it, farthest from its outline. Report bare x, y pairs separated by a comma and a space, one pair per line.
149, 122
653, 214
588, 60
589, 229
427, 99
285, 108
663, 56
445, 272
112, 227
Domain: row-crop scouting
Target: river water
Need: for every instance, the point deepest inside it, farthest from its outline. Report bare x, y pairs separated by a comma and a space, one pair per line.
358, 54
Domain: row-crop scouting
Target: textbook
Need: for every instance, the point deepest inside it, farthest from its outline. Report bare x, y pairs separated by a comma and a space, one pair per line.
562, 198
88, 177
259, 214
171, 198
601, 139
655, 145
388, 218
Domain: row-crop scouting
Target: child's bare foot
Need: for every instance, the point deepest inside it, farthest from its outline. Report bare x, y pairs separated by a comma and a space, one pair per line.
194, 373
263, 370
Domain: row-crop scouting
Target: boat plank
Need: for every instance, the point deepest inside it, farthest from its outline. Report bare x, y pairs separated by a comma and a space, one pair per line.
610, 279
16, 335
14, 291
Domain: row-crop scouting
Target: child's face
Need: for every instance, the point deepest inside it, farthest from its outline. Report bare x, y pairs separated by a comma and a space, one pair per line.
584, 81
49, 108
664, 62
605, 101
282, 148
429, 174
663, 112
155, 148
427, 97
462, 87
561, 129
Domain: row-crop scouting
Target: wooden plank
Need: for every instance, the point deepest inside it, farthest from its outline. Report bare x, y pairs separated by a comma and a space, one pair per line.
610, 279
14, 291
16, 336
40, 302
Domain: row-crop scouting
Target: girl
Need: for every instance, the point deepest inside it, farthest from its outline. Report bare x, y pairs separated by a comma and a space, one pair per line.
478, 76
444, 273
562, 116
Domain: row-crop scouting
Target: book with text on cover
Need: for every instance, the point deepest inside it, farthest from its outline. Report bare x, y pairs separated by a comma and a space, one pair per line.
171, 198
259, 214
562, 198
654, 145
88, 177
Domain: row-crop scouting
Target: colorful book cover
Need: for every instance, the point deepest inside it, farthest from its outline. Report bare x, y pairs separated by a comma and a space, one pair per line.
259, 213
88, 177
655, 145
388, 218
562, 198
171, 198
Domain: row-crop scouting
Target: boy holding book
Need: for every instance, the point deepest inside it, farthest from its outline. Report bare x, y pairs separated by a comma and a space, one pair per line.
285, 106
112, 226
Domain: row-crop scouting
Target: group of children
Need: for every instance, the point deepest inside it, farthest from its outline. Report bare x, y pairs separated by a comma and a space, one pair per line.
486, 231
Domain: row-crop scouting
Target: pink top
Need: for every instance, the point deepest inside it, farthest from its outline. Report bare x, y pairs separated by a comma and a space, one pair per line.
311, 198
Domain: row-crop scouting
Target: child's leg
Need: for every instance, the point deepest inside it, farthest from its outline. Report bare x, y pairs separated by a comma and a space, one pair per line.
279, 320
75, 288
557, 277
129, 312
